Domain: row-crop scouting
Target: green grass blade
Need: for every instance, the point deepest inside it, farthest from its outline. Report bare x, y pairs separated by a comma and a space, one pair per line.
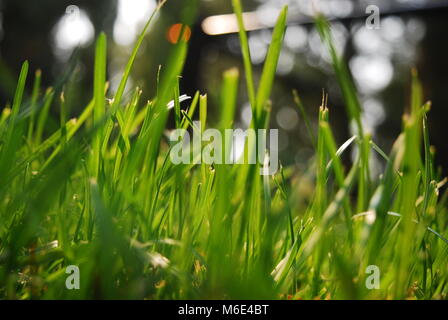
270, 65
130, 64
99, 97
246, 54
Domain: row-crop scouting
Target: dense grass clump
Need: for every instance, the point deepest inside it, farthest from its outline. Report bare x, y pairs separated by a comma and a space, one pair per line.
101, 193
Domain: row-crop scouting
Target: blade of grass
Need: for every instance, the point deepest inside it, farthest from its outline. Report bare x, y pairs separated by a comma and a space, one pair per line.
270, 65
299, 104
246, 54
99, 98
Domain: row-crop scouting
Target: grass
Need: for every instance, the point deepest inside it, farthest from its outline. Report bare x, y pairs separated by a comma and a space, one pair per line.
100, 192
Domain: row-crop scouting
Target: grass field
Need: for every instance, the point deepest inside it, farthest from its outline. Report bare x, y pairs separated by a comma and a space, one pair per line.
100, 192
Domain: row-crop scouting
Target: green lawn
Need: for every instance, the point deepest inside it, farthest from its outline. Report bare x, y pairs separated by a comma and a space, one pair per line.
101, 193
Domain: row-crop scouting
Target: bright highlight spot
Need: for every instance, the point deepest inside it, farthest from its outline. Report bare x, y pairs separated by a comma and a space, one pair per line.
372, 73
227, 23
74, 29
131, 15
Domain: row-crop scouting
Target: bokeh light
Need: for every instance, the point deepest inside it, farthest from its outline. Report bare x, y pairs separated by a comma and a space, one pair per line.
74, 29
174, 33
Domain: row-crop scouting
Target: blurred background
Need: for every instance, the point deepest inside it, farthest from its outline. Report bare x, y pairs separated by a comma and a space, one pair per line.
57, 36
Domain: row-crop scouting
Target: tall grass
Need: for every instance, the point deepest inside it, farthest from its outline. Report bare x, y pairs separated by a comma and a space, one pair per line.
100, 192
